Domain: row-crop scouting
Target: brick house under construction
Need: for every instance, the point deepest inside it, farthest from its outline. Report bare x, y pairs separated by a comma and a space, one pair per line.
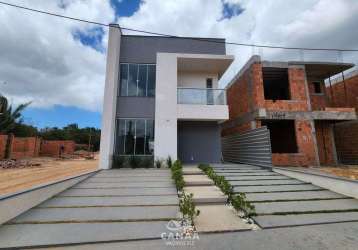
343, 92
290, 99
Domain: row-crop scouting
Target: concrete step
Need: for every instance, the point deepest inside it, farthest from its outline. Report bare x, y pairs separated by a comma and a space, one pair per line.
306, 206
216, 218
256, 178
243, 171
280, 188
36, 235
265, 182
143, 184
192, 171
111, 201
197, 180
119, 192
206, 194
273, 221
305, 195
127, 179
249, 174
99, 214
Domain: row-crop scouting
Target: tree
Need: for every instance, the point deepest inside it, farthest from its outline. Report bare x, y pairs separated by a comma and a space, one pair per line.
8, 116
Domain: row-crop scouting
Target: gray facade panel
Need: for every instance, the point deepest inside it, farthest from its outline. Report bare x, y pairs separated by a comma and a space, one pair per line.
143, 49
199, 142
135, 107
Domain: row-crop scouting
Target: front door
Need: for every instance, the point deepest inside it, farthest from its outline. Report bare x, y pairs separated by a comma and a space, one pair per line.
209, 92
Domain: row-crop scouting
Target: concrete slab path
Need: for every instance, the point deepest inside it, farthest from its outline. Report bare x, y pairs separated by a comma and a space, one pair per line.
94, 211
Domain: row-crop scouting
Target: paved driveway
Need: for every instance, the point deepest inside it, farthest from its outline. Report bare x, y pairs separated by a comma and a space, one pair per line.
110, 205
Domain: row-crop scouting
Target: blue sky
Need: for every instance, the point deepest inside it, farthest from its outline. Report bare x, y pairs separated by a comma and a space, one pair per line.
60, 116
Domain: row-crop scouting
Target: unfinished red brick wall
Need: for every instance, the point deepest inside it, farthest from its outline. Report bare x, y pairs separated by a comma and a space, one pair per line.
346, 138
306, 151
298, 102
341, 98
52, 148
318, 101
24, 147
3, 142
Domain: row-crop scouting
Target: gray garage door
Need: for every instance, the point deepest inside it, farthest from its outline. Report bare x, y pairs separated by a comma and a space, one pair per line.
252, 147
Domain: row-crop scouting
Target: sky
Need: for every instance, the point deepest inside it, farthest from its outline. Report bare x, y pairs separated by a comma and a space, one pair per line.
59, 65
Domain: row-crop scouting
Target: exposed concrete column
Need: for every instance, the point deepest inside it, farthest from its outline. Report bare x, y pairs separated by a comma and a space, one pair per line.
110, 97
165, 135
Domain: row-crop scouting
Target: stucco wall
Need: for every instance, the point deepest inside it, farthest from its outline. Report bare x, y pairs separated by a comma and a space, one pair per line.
196, 80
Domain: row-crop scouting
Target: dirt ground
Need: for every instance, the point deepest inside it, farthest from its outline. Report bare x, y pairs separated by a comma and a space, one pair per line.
350, 172
14, 180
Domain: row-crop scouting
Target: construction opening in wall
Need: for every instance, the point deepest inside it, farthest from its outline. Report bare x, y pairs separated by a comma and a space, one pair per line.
276, 84
282, 135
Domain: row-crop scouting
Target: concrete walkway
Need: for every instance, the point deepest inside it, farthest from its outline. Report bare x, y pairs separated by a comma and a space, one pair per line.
214, 216
111, 205
282, 201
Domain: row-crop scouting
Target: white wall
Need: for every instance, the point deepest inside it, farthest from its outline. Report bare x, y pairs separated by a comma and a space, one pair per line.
196, 79
110, 98
197, 112
165, 134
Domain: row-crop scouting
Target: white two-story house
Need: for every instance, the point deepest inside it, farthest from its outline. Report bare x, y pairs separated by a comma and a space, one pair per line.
162, 98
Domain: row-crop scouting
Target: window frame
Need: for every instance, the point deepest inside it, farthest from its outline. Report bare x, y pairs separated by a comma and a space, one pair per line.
119, 91
122, 152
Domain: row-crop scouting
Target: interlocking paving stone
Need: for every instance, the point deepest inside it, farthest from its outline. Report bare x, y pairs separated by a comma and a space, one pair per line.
280, 188
265, 182
272, 221
97, 214
304, 195
305, 206
27, 235
125, 184
254, 178
111, 201
120, 192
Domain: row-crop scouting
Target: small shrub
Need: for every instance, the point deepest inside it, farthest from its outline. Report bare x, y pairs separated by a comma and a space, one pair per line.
147, 162
187, 208
158, 163
177, 175
134, 161
119, 161
169, 162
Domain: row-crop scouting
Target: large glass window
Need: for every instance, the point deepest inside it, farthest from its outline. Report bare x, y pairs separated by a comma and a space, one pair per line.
137, 79
134, 137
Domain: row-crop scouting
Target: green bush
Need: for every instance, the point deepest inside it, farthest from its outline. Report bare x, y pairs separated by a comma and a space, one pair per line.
187, 208
169, 162
238, 201
146, 162
134, 161
119, 161
158, 163
177, 175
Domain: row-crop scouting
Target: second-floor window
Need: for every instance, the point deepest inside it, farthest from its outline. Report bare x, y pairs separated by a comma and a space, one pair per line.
137, 79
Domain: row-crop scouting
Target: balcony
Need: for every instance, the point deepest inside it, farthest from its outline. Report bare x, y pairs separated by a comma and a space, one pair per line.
199, 96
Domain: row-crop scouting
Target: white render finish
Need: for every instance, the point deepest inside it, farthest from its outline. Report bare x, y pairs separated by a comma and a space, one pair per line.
165, 128
196, 79
196, 112
110, 98
183, 70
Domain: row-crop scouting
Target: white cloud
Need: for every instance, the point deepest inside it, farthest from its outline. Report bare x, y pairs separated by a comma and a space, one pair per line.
41, 61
